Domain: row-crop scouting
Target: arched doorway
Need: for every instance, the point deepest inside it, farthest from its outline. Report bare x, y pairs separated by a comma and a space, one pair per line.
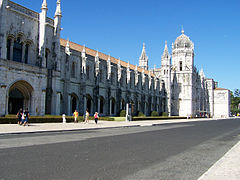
19, 96
89, 104
15, 101
74, 103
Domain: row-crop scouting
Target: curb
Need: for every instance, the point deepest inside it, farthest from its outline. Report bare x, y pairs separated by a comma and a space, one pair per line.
66, 130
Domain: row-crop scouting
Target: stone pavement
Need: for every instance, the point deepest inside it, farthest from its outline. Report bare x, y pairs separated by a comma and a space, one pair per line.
228, 167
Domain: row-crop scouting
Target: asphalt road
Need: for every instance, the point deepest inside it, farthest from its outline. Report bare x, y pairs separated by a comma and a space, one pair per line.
173, 151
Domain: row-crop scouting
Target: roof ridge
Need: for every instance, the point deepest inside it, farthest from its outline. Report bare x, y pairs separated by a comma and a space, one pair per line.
103, 56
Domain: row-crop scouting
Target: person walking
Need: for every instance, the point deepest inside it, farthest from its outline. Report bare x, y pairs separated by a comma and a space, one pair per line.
75, 115
87, 116
96, 117
19, 116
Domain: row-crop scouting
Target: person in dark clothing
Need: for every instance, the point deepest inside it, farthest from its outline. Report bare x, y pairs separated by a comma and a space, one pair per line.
26, 113
19, 116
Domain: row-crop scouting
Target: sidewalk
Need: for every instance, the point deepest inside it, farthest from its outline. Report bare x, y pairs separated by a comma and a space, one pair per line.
51, 127
228, 167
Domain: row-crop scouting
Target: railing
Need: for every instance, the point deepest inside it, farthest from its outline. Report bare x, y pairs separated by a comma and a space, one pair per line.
18, 8
23, 10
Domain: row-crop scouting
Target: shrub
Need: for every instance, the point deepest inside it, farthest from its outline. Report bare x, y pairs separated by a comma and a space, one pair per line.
164, 114
123, 113
140, 114
154, 113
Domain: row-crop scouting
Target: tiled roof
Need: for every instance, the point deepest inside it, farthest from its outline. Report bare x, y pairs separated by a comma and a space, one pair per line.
221, 89
92, 52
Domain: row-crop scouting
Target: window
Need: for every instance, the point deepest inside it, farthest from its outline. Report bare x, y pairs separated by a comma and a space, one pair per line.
17, 51
112, 77
8, 48
26, 53
73, 70
46, 57
88, 72
100, 75
180, 65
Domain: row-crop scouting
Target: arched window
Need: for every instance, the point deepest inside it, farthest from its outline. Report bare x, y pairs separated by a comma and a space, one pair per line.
73, 70
164, 72
17, 50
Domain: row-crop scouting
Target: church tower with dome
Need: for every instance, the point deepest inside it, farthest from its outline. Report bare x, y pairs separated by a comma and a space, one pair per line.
183, 75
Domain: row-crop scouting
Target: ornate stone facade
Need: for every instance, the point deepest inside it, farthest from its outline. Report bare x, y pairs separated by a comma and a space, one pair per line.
50, 75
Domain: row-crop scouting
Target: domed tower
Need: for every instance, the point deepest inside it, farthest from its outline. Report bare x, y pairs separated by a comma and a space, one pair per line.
182, 76
183, 53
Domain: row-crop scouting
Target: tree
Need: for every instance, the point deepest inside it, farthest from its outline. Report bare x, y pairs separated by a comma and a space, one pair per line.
235, 101
236, 93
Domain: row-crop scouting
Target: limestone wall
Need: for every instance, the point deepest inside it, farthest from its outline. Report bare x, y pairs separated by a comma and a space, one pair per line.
221, 103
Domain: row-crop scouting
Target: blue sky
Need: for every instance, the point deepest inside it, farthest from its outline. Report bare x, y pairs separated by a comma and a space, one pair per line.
120, 27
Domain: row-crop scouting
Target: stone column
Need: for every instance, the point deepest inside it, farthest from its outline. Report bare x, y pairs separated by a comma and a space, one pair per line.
58, 103
69, 105
98, 105
23, 53
84, 103
110, 112
43, 99
4, 100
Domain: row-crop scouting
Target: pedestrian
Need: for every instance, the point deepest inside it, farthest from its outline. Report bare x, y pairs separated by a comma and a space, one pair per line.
75, 115
87, 116
26, 114
96, 117
19, 116
22, 118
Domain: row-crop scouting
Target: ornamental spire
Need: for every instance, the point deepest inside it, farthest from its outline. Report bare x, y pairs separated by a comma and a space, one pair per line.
109, 66
165, 52
143, 60
182, 30
58, 9
136, 68
44, 4
84, 49
67, 48
97, 55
